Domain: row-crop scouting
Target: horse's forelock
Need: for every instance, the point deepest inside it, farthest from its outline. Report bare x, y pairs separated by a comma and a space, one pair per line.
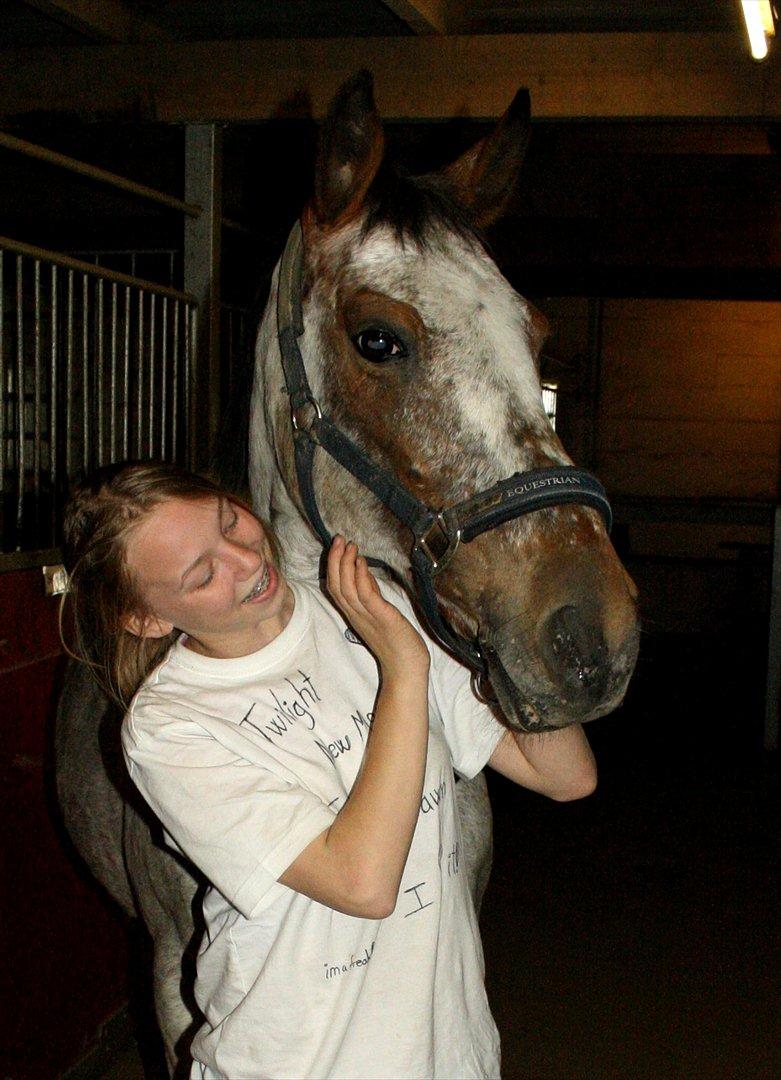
419, 210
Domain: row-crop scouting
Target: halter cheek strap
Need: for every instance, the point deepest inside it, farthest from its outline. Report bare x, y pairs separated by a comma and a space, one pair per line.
437, 534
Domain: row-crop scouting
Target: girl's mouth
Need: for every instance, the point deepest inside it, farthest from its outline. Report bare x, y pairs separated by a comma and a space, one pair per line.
260, 587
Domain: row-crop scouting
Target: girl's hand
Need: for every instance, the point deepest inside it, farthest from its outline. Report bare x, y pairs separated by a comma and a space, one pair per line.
390, 636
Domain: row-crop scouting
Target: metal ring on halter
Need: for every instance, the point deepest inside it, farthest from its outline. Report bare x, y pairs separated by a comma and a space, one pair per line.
300, 425
478, 681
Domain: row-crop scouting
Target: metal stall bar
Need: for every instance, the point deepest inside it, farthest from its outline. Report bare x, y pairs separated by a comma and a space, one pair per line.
53, 430
188, 375
152, 372
3, 387
19, 394
773, 687
140, 387
174, 395
69, 381
235, 319
112, 420
164, 393
85, 374
37, 382
92, 172
126, 379
99, 369
202, 246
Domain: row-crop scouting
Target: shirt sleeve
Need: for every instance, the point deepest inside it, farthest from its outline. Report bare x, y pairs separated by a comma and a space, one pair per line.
241, 824
471, 729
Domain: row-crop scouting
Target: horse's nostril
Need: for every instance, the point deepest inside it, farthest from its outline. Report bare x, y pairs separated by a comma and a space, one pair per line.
574, 650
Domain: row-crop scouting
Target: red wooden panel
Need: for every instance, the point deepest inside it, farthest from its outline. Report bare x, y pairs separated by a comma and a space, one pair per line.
66, 947
28, 619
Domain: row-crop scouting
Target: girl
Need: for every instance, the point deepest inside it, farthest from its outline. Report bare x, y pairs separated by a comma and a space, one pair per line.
300, 753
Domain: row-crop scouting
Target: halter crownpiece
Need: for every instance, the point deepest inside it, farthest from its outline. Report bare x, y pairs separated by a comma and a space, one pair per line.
437, 534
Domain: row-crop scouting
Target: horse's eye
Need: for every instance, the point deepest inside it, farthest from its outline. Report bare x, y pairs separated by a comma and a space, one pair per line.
377, 344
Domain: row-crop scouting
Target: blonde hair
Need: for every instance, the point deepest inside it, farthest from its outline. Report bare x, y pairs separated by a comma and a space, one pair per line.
102, 592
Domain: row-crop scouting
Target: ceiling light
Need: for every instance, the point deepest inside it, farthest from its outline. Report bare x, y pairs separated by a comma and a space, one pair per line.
760, 25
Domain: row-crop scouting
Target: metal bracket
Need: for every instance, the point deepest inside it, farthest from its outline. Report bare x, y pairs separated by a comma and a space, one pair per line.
437, 544
55, 580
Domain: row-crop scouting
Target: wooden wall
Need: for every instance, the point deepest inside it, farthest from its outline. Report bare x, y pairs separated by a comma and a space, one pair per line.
690, 398
678, 400
671, 398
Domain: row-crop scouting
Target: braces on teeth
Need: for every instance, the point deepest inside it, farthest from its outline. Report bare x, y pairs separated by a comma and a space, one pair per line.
261, 586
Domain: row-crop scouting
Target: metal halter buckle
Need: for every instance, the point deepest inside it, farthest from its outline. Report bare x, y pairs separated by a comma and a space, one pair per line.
481, 686
437, 544
304, 423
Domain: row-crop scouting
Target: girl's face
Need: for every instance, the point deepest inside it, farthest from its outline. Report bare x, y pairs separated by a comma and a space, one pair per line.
207, 568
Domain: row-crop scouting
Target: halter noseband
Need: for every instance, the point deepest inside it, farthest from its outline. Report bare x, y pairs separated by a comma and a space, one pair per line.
437, 533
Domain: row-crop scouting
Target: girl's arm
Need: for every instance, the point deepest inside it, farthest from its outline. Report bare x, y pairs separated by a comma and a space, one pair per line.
355, 866
558, 764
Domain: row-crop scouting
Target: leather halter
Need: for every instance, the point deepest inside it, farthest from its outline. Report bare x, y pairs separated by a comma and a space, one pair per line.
436, 533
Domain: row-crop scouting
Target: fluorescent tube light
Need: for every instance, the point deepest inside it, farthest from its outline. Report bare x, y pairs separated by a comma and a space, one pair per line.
758, 16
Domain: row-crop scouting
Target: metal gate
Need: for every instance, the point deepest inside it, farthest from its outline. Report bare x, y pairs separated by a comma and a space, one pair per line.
95, 367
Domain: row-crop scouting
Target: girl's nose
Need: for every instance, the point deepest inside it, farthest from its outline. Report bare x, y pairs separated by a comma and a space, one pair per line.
246, 560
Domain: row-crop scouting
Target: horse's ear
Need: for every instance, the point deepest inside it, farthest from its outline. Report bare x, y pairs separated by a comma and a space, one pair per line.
483, 178
349, 154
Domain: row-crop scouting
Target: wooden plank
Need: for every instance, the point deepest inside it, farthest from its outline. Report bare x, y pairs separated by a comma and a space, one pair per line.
421, 16
633, 509
569, 76
102, 20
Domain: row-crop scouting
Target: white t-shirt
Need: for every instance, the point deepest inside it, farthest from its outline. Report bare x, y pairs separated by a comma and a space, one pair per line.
245, 761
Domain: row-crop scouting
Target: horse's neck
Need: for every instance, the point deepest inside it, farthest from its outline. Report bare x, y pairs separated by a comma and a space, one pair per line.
301, 552
268, 469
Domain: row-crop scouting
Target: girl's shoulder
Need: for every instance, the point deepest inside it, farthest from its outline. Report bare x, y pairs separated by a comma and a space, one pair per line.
161, 698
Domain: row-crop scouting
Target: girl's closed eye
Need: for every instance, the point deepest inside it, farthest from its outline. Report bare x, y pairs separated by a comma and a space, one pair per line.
206, 581
231, 519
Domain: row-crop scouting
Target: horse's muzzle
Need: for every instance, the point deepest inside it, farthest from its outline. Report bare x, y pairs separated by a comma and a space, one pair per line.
566, 674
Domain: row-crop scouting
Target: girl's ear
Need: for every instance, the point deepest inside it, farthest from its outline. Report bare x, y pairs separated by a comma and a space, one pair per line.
147, 626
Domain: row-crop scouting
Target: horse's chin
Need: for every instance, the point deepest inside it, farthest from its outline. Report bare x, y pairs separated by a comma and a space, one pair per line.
538, 713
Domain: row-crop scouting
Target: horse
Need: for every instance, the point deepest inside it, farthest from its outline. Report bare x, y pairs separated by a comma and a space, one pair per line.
419, 355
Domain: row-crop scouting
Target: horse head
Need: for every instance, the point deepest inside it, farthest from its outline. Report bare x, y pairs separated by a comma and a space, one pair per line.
422, 353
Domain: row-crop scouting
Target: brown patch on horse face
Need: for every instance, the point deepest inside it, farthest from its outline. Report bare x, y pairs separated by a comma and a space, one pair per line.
394, 415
